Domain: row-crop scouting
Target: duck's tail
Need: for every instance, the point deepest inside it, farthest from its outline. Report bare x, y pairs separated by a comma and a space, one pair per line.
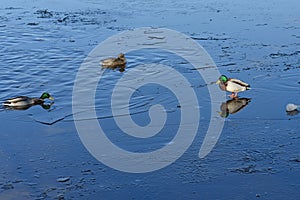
6, 103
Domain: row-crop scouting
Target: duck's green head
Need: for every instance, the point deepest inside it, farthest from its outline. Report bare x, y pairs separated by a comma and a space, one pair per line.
46, 95
222, 79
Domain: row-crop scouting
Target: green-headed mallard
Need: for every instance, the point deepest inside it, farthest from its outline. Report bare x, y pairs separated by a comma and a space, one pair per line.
232, 85
26, 102
113, 63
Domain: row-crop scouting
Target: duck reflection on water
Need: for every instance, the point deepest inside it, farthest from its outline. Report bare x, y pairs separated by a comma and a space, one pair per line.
233, 106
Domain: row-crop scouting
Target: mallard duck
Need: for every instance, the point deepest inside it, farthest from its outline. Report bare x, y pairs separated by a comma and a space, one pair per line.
26, 102
232, 85
119, 62
233, 106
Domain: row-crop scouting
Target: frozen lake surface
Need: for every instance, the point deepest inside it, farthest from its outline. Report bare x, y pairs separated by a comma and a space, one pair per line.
42, 46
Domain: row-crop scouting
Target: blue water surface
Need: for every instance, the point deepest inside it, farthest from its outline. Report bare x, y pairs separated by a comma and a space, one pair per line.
43, 44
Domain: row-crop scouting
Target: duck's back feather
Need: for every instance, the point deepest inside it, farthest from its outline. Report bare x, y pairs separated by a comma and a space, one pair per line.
17, 99
239, 82
236, 86
22, 101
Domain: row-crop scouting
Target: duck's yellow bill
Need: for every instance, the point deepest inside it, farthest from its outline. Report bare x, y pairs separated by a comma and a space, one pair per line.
218, 81
51, 98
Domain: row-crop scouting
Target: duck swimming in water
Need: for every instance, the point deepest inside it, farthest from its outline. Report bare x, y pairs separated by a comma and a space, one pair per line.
113, 63
21, 102
232, 85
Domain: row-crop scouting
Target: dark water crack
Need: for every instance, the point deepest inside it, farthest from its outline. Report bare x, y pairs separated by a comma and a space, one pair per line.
53, 122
